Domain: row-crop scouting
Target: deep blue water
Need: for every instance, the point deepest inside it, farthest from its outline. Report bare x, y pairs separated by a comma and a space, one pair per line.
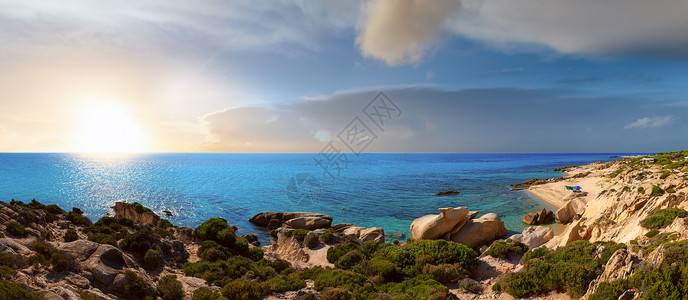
384, 190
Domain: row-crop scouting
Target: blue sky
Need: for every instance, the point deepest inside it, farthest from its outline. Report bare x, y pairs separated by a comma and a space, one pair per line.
286, 76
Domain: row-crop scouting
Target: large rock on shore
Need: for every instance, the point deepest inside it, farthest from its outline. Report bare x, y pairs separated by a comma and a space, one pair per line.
570, 211
135, 212
534, 236
297, 220
541, 217
430, 227
481, 231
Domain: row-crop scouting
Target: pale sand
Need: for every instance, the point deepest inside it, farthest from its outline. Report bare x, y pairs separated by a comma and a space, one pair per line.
554, 193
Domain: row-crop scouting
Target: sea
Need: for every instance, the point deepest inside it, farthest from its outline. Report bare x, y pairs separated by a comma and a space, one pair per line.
387, 190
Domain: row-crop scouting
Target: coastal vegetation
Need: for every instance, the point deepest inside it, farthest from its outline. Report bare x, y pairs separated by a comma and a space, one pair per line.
663, 218
569, 269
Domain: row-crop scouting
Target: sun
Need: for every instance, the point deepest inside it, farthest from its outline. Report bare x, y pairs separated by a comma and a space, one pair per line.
106, 126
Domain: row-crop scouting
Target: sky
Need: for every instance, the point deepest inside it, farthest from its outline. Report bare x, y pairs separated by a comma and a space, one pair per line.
297, 76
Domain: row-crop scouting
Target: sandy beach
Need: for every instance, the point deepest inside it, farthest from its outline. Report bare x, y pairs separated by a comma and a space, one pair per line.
555, 193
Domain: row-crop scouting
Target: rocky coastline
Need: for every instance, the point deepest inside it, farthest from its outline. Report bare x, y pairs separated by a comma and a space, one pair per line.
630, 226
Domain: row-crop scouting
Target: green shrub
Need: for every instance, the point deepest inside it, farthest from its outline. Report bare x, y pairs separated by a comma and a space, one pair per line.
309, 296
656, 191
334, 253
54, 209
357, 284
470, 286
506, 248
349, 260
255, 254
298, 234
212, 251
663, 218
569, 268
210, 229
170, 288
152, 259
77, 219
336, 294
70, 236
416, 288
311, 241
243, 289
609, 290
63, 261
102, 238
670, 190
445, 273
665, 174
652, 233
135, 287
641, 190
139, 242
443, 252
205, 293
220, 272
328, 238
10, 290
16, 229
139, 208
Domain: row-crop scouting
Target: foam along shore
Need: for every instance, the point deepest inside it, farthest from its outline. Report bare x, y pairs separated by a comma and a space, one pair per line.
555, 192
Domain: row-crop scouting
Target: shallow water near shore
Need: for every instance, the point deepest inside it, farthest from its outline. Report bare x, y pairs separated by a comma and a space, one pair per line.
371, 190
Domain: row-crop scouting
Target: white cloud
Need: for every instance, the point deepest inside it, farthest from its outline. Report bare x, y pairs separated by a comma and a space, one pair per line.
650, 122
402, 31
398, 32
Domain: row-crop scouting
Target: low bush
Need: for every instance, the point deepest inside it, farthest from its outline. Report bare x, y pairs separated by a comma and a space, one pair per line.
205, 293
77, 219
54, 209
298, 234
102, 238
10, 290
255, 254
16, 229
210, 229
506, 248
152, 259
135, 287
169, 288
641, 190
349, 260
445, 273
311, 241
656, 191
569, 269
328, 238
140, 242
609, 290
63, 261
139, 208
470, 286
652, 233
70, 236
334, 253
663, 218
336, 294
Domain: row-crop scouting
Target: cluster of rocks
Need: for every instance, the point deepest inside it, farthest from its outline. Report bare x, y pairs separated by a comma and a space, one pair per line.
297, 220
459, 225
444, 193
541, 217
317, 222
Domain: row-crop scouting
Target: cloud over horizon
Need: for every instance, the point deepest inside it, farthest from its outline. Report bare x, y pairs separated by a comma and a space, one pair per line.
470, 120
650, 122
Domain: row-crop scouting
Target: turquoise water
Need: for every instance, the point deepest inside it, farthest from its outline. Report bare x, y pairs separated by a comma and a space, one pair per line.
384, 190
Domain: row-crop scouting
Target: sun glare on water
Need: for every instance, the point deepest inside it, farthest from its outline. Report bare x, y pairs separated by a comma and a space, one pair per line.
105, 126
